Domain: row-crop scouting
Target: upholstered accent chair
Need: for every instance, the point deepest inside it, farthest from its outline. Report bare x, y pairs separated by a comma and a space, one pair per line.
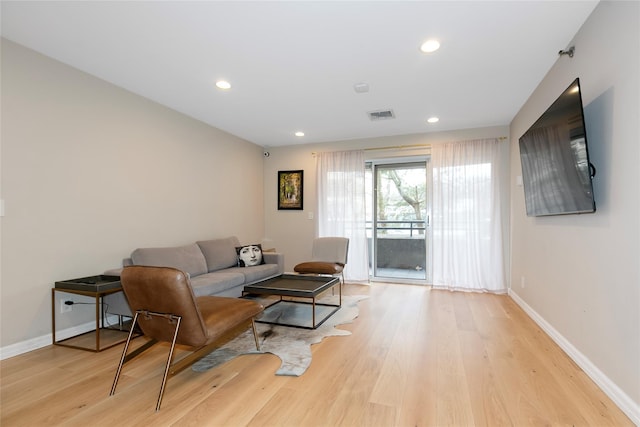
328, 256
166, 310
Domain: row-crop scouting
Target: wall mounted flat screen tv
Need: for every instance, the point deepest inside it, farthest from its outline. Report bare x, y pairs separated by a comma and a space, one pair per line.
556, 171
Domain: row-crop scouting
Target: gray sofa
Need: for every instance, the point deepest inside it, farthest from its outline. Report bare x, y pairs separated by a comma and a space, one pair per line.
212, 266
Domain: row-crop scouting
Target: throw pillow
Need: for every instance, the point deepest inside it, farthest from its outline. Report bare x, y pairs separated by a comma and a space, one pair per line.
249, 255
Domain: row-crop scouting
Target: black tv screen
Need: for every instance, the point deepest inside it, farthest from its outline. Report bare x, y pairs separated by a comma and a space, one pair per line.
556, 171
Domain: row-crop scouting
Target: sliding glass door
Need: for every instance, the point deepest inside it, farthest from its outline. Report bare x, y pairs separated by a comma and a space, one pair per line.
398, 220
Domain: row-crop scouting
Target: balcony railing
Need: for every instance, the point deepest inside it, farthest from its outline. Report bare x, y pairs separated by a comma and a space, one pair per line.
398, 227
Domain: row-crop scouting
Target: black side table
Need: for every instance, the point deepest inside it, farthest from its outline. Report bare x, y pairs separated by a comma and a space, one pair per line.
96, 287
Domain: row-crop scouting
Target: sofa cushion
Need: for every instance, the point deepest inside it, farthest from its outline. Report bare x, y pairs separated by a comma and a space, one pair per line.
220, 253
216, 282
186, 258
249, 255
256, 272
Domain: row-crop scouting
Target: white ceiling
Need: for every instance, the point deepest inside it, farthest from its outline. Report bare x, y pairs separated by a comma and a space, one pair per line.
292, 65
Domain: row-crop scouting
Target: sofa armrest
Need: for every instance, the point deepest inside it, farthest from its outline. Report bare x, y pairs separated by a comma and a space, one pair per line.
274, 258
118, 271
113, 272
117, 304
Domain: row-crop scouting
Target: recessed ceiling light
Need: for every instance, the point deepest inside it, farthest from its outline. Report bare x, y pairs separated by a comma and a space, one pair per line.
299, 133
430, 46
223, 84
433, 120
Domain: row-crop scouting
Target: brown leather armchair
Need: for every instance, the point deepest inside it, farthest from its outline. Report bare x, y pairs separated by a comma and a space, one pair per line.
166, 310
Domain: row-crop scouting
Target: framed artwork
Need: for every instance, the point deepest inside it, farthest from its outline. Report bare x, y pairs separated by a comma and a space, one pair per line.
290, 190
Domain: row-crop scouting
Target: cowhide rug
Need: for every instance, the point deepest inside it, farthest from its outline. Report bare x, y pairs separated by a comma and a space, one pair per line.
291, 345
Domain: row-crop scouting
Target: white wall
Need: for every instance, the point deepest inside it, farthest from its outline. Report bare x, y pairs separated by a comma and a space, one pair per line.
581, 272
291, 232
91, 172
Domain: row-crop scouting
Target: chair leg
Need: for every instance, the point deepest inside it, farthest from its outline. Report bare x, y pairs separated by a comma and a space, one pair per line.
169, 359
255, 334
170, 368
124, 354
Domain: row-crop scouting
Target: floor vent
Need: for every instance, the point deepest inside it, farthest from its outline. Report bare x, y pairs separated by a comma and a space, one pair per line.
381, 115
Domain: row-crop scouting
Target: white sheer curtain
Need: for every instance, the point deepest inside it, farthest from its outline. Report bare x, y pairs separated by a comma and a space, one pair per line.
341, 206
467, 223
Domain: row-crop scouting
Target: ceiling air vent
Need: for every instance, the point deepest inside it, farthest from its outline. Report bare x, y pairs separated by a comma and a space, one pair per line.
381, 115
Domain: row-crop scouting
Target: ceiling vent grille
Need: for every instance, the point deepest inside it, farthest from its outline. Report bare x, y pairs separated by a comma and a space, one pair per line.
381, 115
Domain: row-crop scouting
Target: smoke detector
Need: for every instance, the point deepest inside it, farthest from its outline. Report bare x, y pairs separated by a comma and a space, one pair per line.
381, 115
361, 87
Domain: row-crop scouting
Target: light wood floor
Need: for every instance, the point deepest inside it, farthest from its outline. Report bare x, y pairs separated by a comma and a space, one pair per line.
417, 357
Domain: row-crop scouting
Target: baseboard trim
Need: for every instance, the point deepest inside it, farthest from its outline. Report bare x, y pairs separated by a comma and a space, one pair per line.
619, 397
25, 346
45, 340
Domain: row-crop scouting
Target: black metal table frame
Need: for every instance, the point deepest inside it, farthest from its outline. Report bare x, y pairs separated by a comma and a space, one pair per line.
329, 282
